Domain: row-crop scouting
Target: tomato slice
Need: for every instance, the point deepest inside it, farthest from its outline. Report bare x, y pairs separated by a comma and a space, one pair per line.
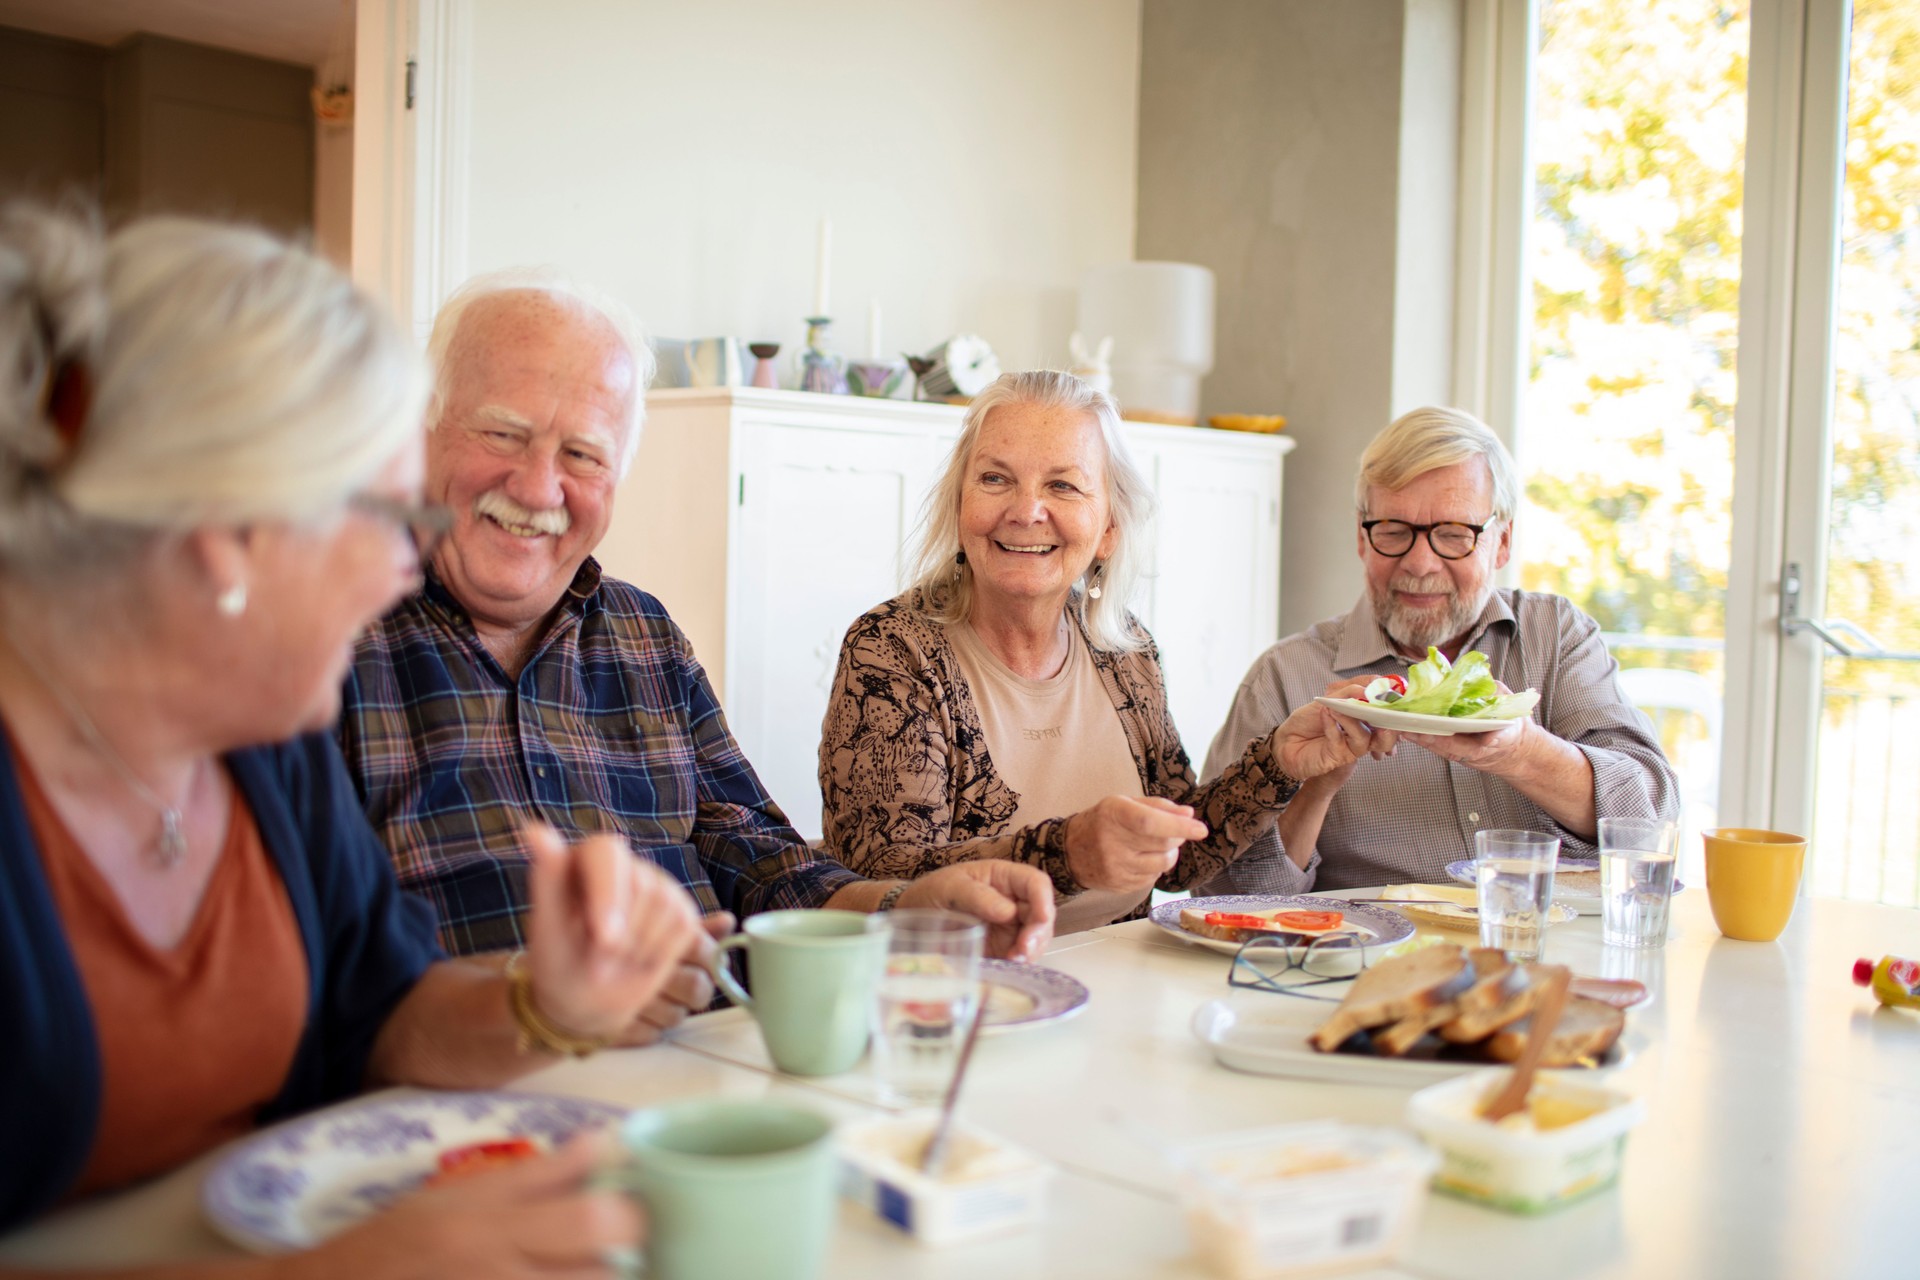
1237, 920
475, 1157
1399, 684
1315, 920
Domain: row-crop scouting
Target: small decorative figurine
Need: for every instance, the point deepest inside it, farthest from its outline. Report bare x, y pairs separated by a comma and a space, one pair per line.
822, 370
1095, 368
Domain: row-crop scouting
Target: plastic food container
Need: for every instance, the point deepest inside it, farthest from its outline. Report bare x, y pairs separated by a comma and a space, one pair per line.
989, 1186
1302, 1200
1567, 1145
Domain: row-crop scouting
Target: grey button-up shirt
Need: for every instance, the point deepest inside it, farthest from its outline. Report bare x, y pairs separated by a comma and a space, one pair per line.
1404, 818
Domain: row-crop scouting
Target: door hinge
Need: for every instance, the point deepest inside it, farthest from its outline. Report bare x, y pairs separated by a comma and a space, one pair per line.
413, 69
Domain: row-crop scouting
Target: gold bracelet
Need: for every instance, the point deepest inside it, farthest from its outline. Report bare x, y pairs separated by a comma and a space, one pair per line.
536, 1033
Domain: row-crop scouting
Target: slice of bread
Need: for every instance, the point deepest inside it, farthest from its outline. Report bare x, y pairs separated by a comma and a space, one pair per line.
1578, 884
1586, 1030
1394, 989
1493, 976
1511, 1001
1195, 922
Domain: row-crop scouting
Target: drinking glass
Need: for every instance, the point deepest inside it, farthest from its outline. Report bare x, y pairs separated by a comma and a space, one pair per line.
928, 994
1513, 871
1637, 858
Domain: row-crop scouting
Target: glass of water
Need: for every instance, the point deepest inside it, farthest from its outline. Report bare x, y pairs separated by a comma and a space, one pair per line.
928, 997
1514, 873
1637, 857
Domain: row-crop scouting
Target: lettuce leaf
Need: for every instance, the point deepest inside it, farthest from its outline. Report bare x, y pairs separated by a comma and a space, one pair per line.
1465, 688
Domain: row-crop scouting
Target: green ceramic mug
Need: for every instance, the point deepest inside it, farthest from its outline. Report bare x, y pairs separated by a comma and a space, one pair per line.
814, 975
735, 1189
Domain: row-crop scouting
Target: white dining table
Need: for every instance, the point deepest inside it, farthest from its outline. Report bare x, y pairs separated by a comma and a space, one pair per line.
1781, 1138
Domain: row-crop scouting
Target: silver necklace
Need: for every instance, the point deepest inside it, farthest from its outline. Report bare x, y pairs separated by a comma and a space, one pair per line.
170, 846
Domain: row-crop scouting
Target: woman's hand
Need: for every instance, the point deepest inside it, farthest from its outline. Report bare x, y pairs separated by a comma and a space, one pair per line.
1126, 843
534, 1218
1315, 740
1013, 900
606, 932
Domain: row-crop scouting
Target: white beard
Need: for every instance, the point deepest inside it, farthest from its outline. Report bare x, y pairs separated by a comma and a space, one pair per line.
1417, 630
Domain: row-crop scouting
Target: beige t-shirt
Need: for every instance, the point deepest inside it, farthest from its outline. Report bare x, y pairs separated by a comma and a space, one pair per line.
1058, 744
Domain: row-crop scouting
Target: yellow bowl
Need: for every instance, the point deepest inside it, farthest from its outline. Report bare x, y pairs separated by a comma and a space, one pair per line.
1265, 423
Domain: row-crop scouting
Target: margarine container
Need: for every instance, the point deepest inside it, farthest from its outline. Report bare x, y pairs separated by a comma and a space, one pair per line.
1302, 1200
987, 1187
1566, 1145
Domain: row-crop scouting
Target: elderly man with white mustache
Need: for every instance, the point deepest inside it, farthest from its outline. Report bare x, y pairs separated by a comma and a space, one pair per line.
520, 683
1436, 496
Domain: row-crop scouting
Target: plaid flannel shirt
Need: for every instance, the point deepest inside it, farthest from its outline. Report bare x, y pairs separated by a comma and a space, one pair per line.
611, 727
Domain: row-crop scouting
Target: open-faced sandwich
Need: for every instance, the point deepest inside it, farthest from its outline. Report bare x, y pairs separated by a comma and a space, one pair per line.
1294, 926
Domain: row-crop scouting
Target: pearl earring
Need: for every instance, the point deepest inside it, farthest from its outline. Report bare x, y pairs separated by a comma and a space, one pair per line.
1093, 586
233, 601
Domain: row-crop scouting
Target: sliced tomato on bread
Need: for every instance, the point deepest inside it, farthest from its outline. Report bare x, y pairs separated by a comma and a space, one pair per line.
477, 1157
1238, 926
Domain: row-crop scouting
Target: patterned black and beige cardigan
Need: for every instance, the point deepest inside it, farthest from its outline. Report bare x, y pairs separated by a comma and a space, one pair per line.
907, 785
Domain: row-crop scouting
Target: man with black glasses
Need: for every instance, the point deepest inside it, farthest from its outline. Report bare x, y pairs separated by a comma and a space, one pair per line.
1436, 496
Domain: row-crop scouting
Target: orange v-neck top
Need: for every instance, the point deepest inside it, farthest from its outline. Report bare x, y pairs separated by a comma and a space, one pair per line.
195, 1039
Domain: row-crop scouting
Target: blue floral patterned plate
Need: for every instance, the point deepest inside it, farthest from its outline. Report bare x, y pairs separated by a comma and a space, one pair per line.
1026, 995
296, 1184
1378, 928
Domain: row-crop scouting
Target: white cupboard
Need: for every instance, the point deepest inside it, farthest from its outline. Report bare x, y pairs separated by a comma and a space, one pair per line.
767, 521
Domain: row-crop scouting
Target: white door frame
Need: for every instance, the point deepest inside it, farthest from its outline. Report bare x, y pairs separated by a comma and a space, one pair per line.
1809, 308
412, 128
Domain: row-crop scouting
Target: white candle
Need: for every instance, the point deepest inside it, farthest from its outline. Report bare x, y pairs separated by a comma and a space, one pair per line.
873, 330
822, 268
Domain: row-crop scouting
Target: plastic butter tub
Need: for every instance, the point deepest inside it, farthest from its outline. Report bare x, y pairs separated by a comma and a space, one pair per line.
1302, 1200
1566, 1145
988, 1187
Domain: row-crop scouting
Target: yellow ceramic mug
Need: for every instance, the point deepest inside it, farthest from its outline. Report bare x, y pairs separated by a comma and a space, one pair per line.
1753, 878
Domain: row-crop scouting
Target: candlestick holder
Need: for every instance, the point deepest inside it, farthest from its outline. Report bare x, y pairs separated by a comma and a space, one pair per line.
821, 369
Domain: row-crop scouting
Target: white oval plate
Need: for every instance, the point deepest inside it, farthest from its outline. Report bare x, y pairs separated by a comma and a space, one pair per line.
298, 1183
1414, 722
1386, 927
1027, 995
1267, 1035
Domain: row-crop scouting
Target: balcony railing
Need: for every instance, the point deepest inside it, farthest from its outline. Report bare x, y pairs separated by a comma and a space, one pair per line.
1866, 838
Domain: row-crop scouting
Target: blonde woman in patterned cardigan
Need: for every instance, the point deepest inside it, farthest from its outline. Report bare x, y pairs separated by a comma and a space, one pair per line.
1008, 706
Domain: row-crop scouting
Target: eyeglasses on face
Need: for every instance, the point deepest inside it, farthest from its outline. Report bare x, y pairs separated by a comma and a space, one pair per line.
1450, 539
427, 523
1271, 964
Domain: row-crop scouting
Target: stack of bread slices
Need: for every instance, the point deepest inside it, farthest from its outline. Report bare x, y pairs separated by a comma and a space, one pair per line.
1474, 998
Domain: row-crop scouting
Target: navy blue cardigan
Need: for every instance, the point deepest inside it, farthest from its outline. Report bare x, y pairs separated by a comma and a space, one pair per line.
367, 943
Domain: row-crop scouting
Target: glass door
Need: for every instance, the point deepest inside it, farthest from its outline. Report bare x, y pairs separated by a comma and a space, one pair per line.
1625, 435
1850, 592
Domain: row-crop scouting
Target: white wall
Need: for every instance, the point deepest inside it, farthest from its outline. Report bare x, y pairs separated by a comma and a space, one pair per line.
1270, 136
974, 159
